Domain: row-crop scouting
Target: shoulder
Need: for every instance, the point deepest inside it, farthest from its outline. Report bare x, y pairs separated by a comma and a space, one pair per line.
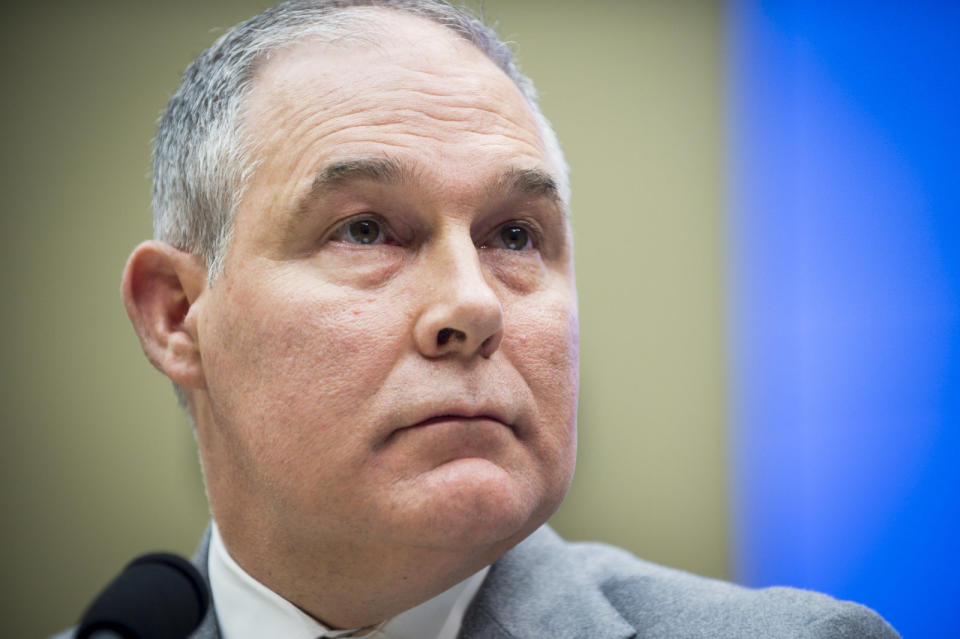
658, 597
663, 602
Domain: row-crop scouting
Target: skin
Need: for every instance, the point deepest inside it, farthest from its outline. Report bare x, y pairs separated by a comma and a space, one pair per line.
378, 420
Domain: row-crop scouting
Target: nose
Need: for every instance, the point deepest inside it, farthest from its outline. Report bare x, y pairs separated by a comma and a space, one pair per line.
461, 314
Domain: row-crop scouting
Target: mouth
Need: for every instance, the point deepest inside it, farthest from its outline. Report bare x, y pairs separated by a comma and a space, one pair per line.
455, 424
452, 417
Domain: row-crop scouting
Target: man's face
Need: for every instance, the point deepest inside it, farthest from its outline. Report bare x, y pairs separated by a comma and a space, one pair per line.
390, 354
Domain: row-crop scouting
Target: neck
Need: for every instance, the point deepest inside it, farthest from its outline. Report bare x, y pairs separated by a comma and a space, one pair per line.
351, 588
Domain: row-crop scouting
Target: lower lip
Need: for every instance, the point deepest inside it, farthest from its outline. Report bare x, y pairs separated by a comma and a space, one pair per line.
457, 433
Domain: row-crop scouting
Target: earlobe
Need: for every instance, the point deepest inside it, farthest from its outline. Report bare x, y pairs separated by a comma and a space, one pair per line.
162, 289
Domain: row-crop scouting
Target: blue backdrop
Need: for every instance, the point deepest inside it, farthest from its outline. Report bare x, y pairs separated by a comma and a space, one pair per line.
844, 174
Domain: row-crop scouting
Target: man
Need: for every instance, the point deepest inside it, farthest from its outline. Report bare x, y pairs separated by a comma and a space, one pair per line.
362, 287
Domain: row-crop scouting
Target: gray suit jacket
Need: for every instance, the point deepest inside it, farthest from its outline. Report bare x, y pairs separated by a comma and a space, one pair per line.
546, 588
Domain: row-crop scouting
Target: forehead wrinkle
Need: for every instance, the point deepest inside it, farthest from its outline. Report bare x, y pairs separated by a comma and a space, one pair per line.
471, 114
468, 92
304, 118
391, 128
482, 124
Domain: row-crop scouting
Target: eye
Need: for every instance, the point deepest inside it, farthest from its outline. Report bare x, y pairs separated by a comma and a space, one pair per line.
362, 230
515, 238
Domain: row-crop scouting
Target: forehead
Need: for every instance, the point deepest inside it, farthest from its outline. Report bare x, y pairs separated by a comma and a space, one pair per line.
396, 85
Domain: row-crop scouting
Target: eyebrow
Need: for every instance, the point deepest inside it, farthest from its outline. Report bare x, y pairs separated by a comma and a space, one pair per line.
531, 182
339, 174
388, 171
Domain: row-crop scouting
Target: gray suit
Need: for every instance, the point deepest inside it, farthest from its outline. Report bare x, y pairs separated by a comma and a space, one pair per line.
546, 588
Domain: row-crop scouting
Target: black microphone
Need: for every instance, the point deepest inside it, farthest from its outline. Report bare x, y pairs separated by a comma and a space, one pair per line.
157, 596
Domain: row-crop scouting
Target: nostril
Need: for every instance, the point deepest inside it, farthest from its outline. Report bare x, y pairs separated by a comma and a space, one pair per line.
446, 333
491, 344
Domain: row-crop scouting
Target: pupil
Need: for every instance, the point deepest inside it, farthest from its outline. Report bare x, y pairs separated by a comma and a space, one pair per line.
364, 231
514, 238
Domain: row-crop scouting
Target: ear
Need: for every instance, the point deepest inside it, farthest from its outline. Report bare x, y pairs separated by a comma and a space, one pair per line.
161, 289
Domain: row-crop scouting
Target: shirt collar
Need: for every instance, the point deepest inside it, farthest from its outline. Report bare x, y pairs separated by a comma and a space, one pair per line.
247, 609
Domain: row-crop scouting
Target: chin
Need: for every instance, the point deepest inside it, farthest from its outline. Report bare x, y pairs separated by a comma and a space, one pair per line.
476, 503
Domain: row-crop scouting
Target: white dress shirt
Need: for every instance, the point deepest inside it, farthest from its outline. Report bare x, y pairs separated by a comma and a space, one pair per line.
246, 609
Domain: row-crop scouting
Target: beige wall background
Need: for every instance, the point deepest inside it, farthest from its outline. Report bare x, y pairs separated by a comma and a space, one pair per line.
98, 464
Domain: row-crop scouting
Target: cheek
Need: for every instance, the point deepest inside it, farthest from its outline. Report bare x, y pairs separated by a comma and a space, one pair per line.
542, 340
304, 364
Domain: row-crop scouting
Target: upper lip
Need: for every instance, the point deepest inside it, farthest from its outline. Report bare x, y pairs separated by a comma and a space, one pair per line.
460, 415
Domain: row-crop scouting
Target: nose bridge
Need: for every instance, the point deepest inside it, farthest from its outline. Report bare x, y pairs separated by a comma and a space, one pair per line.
461, 313
459, 258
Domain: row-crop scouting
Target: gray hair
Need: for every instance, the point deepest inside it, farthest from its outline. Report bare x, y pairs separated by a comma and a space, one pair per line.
201, 164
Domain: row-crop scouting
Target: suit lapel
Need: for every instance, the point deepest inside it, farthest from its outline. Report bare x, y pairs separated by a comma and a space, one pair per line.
538, 590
